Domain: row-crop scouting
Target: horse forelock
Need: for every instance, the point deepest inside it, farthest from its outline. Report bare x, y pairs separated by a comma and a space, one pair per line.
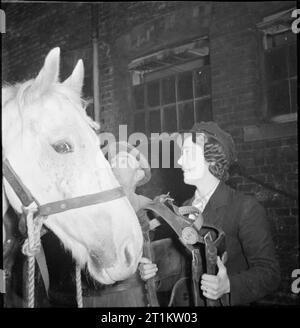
25, 96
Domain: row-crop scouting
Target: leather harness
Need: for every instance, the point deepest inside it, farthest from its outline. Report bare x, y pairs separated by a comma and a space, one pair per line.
193, 234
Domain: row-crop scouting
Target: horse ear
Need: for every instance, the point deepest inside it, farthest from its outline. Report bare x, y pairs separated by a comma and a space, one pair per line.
6, 94
49, 73
75, 80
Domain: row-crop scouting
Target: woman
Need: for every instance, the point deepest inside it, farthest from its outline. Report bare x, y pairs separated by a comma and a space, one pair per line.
251, 270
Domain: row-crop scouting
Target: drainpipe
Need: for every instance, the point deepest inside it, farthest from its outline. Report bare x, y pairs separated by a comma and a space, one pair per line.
95, 35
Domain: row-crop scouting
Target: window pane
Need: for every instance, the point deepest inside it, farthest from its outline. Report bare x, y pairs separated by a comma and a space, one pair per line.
138, 94
139, 123
203, 110
293, 60
294, 96
186, 115
154, 121
185, 86
170, 119
278, 98
276, 64
202, 82
168, 90
153, 93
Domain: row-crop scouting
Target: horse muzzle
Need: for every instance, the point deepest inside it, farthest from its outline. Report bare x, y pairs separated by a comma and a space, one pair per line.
109, 268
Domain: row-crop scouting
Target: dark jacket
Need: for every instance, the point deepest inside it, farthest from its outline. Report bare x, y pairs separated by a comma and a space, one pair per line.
252, 266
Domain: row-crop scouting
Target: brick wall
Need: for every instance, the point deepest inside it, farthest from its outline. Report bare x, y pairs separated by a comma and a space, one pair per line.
237, 102
35, 28
237, 99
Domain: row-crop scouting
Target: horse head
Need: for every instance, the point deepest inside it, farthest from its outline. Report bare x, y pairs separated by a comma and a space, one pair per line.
49, 141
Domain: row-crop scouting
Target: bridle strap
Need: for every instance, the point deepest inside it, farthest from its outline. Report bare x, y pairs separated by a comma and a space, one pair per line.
17, 185
81, 201
41, 261
26, 197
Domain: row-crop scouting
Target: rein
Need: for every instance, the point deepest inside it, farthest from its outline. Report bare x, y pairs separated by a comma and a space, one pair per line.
35, 215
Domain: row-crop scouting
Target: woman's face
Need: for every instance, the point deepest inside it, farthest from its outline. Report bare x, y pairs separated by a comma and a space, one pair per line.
192, 161
125, 167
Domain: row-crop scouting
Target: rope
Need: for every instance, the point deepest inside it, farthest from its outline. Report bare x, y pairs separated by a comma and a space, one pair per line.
78, 286
30, 247
30, 282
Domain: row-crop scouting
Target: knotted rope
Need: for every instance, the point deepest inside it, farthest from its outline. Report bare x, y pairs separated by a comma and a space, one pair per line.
31, 247
78, 286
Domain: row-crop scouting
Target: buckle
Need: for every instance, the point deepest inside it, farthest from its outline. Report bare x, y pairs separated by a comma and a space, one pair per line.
190, 236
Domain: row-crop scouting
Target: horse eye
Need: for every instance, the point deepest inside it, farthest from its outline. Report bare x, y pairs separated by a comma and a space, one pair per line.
62, 147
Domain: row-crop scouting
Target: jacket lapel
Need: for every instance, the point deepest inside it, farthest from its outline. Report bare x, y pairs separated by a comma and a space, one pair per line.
215, 209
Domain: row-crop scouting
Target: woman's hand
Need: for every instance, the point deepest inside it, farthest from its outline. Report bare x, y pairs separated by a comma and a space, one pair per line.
215, 286
147, 268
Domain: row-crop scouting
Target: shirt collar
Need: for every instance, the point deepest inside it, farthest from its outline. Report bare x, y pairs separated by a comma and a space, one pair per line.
218, 197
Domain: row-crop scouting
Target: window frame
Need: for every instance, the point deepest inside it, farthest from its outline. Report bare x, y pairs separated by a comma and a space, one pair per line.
273, 23
159, 75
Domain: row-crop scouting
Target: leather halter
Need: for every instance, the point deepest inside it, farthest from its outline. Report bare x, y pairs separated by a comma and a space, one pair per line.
26, 197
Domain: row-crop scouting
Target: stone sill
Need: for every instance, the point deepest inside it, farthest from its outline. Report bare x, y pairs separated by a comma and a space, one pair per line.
269, 131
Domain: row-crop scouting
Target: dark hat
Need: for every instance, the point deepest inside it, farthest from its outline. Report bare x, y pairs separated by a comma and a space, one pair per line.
211, 129
118, 147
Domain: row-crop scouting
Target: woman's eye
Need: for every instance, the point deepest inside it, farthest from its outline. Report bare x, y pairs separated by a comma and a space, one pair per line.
62, 147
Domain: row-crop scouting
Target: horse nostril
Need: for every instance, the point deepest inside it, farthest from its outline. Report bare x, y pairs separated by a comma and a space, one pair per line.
128, 256
96, 259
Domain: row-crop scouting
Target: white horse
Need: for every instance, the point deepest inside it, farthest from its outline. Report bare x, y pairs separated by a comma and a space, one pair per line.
50, 143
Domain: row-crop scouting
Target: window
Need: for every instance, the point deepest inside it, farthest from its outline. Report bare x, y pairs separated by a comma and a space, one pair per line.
280, 66
173, 91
